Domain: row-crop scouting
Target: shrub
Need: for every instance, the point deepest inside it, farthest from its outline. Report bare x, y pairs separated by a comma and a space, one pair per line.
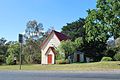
67, 61
62, 61
106, 59
37, 58
60, 56
2, 59
110, 52
117, 56
10, 59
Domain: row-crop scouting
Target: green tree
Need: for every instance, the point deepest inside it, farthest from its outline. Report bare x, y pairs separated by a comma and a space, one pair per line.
109, 15
101, 23
79, 43
31, 51
3, 50
96, 35
33, 34
2, 59
2, 41
94, 29
67, 47
3, 46
117, 56
74, 29
34, 30
10, 59
12, 52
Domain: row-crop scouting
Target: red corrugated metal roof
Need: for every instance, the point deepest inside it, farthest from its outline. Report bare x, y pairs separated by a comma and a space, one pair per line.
59, 35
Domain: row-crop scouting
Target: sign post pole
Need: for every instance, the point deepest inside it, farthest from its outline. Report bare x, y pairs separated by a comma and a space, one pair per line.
21, 42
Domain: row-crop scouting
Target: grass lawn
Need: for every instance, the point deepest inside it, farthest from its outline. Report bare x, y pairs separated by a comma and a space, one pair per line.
96, 66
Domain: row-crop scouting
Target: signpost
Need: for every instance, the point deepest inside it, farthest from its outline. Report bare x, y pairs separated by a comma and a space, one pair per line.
21, 44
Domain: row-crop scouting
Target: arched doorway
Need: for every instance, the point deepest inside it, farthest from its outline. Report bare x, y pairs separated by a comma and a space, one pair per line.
49, 58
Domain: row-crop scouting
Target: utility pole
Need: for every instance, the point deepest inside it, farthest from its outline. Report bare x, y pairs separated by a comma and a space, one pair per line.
21, 44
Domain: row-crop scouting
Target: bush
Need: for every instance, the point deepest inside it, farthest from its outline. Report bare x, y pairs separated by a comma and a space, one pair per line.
106, 59
117, 56
37, 58
2, 59
110, 52
60, 56
67, 61
62, 61
10, 59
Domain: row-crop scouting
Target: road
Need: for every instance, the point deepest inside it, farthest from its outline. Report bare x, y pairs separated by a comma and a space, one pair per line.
58, 75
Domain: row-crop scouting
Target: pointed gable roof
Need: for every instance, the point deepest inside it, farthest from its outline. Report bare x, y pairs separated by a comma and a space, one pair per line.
52, 49
59, 35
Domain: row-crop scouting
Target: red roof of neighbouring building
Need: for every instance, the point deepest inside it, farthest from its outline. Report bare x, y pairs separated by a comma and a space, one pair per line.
59, 35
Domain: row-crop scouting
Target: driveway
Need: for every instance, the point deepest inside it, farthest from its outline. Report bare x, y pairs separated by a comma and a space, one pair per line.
59, 75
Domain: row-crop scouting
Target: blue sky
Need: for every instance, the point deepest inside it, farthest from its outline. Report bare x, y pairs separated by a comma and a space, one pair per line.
14, 14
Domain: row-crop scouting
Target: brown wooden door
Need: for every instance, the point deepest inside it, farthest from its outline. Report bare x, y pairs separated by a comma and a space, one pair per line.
50, 59
78, 57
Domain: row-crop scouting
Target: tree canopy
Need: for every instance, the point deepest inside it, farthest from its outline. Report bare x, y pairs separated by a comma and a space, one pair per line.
66, 47
74, 29
109, 15
34, 30
99, 25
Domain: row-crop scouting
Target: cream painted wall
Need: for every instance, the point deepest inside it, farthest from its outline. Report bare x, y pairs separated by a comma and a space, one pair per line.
53, 56
53, 41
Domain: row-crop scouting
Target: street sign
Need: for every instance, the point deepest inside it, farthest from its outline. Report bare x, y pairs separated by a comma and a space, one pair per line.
20, 38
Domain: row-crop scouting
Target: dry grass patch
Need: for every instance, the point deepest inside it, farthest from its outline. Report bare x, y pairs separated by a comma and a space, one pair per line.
96, 66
